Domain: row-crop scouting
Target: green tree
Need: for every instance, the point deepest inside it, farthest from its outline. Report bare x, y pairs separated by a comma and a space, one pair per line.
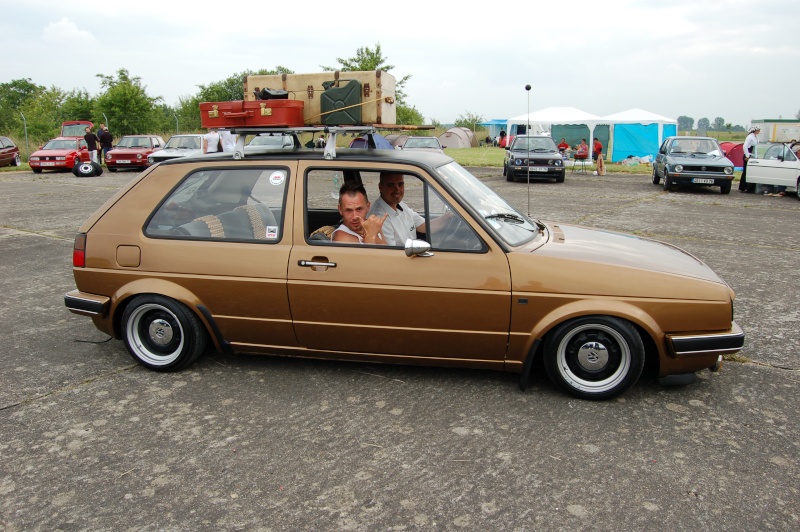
703, 123
12, 97
126, 104
469, 120
368, 59
685, 123
719, 123
78, 105
43, 114
409, 115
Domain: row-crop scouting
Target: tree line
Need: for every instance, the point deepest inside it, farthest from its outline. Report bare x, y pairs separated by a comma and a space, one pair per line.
686, 123
126, 106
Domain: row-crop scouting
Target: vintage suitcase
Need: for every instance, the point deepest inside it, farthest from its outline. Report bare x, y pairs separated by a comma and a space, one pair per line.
239, 113
376, 94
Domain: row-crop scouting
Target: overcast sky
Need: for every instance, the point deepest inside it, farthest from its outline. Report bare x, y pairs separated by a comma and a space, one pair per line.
739, 60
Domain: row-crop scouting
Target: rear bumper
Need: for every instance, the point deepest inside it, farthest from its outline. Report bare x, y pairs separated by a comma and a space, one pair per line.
86, 304
694, 345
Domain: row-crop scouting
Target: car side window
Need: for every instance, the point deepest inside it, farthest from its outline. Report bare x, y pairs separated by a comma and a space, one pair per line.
234, 204
789, 155
773, 152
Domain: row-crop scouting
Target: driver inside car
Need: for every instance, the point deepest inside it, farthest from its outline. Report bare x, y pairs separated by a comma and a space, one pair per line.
402, 222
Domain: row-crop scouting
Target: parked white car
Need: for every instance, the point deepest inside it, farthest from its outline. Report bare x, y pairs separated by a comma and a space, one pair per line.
780, 165
178, 146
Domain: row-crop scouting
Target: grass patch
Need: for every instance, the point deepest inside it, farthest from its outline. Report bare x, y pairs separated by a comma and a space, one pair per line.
493, 157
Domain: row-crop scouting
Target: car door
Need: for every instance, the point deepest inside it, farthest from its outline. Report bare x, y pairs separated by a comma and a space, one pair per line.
357, 300
6, 151
778, 166
661, 159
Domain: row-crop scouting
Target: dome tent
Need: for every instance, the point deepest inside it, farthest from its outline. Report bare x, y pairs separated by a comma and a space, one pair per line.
735, 152
638, 133
458, 137
380, 142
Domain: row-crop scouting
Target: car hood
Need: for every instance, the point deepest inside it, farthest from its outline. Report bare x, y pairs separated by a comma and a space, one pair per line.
543, 154
176, 152
132, 151
688, 160
52, 153
593, 261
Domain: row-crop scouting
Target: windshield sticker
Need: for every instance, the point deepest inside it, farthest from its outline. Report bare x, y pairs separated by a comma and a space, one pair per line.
277, 178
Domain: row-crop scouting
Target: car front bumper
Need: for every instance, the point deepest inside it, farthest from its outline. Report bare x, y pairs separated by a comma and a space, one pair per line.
694, 178
696, 345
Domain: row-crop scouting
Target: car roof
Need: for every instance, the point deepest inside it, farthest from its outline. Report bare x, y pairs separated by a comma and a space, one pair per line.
416, 158
691, 137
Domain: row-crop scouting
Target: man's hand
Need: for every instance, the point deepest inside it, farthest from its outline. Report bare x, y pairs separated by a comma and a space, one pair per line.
372, 229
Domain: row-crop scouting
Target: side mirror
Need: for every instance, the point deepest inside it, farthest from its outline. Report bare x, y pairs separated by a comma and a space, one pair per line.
417, 248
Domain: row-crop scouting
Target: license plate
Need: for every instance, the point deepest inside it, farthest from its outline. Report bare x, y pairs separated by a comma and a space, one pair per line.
701, 181
47, 164
122, 161
539, 169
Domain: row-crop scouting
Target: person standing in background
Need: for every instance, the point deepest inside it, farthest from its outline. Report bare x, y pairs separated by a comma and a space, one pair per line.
750, 149
211, 142
91, 144
106, 141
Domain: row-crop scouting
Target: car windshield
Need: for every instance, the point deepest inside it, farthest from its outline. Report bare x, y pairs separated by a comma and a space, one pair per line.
134, 142
534, 144
510, 225
185, 143
695, 147
73, 130
422, 143
275, 141
60, 145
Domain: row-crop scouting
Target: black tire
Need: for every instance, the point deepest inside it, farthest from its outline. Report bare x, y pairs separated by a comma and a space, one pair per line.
725, 189
17, 161
656, 179
37, 170
667, 181
504, 170
798, 188
162, 334
594, 357
86, 169
560, 178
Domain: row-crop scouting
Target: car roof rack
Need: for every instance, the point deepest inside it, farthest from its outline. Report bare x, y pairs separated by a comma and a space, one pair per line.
330, 131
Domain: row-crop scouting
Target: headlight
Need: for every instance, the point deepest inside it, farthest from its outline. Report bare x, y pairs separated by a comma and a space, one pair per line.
518, 162
728, 170
678, 168
151, 160
108, 156
139, 156
558, 162
61, 158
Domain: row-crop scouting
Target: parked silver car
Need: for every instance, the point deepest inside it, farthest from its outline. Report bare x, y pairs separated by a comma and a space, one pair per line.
178, 146
690, 160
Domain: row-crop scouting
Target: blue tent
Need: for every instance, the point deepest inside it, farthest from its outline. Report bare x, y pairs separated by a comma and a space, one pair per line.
638, 133
380, 142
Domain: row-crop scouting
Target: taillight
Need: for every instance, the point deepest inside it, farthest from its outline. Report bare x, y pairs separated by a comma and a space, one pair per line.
79, 251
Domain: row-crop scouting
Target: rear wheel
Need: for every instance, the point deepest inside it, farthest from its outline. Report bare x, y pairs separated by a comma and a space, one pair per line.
656, 179
17, 160
162, 334
798, 188
594, 357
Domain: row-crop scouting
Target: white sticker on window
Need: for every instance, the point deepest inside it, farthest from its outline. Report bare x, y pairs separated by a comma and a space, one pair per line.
272, 232
277, 177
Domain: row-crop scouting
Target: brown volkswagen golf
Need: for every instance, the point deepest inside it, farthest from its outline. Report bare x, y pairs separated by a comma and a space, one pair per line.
417, 263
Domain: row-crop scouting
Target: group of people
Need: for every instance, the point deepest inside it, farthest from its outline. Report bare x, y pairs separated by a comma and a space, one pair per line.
389, 221
219, 140
582, 149
103, 138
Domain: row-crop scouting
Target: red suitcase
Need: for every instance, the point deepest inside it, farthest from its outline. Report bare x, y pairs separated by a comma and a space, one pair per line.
258, 113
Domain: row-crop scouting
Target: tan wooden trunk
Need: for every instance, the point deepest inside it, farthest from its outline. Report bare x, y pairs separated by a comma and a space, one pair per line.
378, 105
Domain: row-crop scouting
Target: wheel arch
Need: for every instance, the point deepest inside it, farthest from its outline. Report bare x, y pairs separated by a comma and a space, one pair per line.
160, 287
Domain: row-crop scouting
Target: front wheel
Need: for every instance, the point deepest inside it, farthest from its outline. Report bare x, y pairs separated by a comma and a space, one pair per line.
667, 181
162, 334
726, 188
594, 357
656, 179
37, 170
560, 178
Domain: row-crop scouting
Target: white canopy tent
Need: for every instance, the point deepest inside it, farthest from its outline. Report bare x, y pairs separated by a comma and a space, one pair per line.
542, 121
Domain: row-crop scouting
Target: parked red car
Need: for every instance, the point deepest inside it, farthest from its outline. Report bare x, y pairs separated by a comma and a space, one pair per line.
132, 151
9, 153
61, 153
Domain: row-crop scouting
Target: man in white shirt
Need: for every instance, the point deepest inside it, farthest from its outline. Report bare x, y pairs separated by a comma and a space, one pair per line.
403, 222
211, 142
749, 149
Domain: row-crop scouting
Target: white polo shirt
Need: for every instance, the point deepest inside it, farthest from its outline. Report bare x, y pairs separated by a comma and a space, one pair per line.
401, 223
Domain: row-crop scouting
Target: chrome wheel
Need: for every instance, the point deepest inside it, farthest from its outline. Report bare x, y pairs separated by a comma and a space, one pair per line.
595, 357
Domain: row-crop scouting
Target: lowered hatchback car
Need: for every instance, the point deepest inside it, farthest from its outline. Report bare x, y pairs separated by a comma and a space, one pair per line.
132, 152
176, 147
692, 161
61, 153
231, 253
533, 157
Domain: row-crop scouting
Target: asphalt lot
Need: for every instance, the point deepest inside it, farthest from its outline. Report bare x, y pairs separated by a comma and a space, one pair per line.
90, 440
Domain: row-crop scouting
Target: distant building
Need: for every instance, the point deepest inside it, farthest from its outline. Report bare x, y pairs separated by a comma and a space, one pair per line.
777, 130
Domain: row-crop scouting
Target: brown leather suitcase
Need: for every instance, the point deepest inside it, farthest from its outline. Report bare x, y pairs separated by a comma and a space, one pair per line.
376, 99
258, 113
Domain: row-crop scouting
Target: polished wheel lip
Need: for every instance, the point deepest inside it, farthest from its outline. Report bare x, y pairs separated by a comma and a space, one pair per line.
156, 334
599, 386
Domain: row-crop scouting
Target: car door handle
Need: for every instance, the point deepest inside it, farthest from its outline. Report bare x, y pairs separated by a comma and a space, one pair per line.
315, 264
